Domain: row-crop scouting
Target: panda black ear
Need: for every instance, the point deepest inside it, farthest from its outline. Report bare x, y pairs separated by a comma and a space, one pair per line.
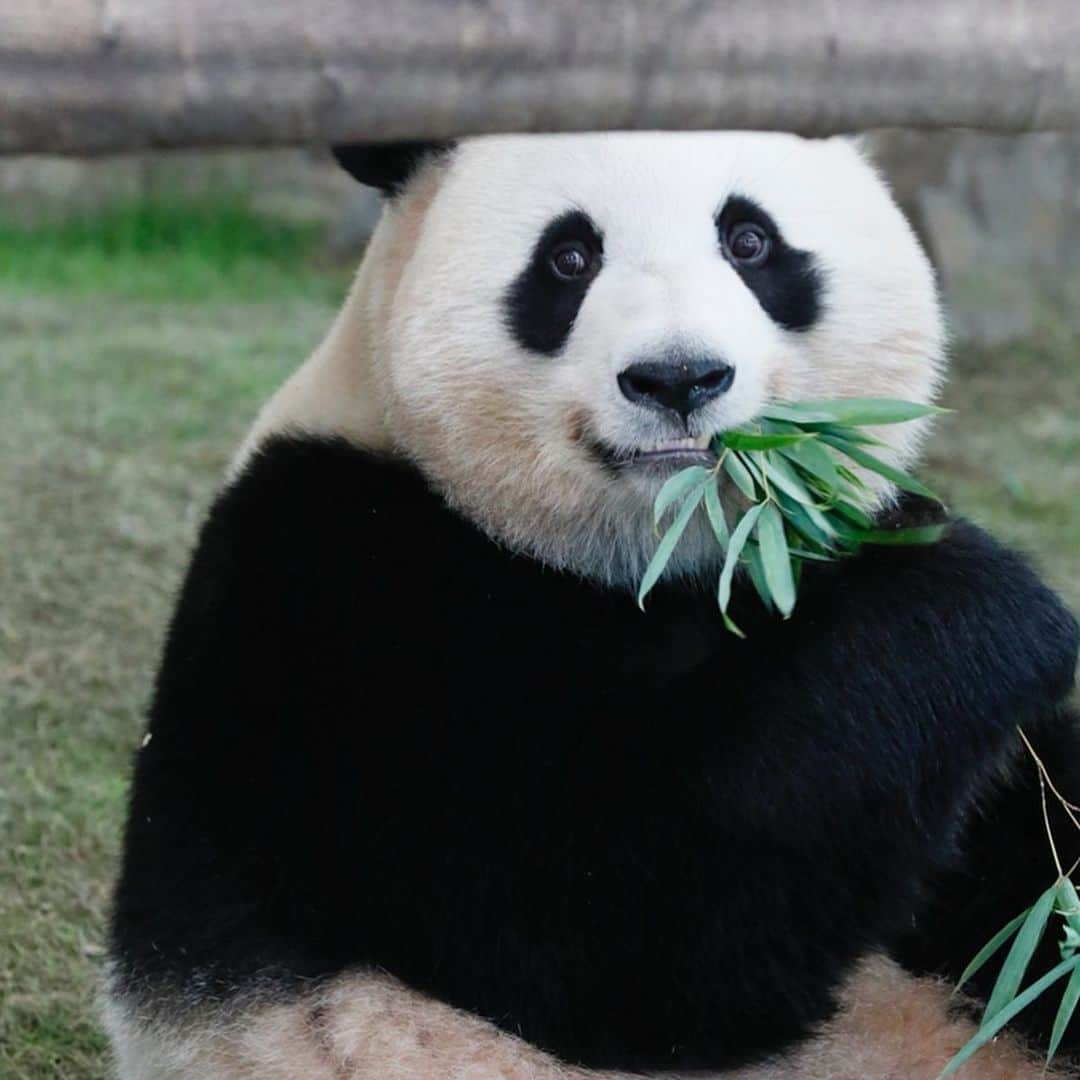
387, 166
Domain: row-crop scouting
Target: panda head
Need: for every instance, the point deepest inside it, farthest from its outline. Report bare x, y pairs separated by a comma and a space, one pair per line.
553, 325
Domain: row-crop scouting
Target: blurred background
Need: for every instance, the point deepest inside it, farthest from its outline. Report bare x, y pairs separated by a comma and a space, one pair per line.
149, 303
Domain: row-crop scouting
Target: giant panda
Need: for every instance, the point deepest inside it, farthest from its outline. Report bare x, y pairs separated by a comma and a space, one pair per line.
425, 794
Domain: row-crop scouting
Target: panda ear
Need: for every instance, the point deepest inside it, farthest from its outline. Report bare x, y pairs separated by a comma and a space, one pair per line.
387, 166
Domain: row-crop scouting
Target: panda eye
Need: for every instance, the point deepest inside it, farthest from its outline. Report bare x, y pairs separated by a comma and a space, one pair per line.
749, 244
570, 260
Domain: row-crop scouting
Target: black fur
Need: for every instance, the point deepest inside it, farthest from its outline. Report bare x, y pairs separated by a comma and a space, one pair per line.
378, 739
541, 308
787, 285
1008, 864
387, 166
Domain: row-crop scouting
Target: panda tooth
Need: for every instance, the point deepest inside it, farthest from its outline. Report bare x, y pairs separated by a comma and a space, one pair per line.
690, 443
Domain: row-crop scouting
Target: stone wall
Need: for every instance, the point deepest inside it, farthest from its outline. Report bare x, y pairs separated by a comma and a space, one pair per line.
1000, 216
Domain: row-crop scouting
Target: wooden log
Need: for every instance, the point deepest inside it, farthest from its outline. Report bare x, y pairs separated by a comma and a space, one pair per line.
91, 76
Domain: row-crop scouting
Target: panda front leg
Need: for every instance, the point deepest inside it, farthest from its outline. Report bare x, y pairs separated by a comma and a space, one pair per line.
891, 1026
354, 1027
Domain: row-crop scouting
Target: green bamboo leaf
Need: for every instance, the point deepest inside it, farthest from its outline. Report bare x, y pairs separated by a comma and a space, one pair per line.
783, 476
798, 456
750, 462
852, 434
775, 559
751, 440
1019, 956
675, 488
816, 460
1064, 1014
1069, 903
851, 478
860, 412
1070, 942
853, 514
738, 472
804, 554
715, 513
809, 521
990, 949
738, 541
778, 427
752, 555
667, 545
900, 478
795, 412
987, 1030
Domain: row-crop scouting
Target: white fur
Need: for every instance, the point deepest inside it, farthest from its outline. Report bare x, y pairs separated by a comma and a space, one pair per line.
421, 359
891, 1026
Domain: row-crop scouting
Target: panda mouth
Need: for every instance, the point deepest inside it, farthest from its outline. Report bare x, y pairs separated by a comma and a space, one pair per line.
661, 456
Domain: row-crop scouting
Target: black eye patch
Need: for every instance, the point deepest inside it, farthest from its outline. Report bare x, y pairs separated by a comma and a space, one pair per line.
788, 284
541, 306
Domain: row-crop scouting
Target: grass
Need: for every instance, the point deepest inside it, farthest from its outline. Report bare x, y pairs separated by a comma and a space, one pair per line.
1009, 458
119, 405
135, 348
167, 248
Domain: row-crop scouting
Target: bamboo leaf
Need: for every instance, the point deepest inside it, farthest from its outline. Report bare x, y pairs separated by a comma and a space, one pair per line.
796, 412
988, 1030
738, 541
861, 412
853, 479
815, 459
798, 457
1019, 956
750, 462
900, 478
775, 559
802, 553
666, 546
991, 948
1070, 942
853, 514
715, 512
783, 476
738, 472
1064, 1014
675, 488
748, 440
809, 521
852, 434
752, 555
1069, 903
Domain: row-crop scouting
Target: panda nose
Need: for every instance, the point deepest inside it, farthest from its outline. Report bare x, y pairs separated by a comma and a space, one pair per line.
679, 385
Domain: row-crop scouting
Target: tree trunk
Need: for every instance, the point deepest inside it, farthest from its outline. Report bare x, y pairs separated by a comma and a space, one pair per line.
86, 76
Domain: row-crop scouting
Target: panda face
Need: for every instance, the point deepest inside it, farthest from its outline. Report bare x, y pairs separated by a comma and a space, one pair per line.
574, 317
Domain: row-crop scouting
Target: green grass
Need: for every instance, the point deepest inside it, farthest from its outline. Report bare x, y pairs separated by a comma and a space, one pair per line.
119, 406
1010, 456
167, 248
135, 348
